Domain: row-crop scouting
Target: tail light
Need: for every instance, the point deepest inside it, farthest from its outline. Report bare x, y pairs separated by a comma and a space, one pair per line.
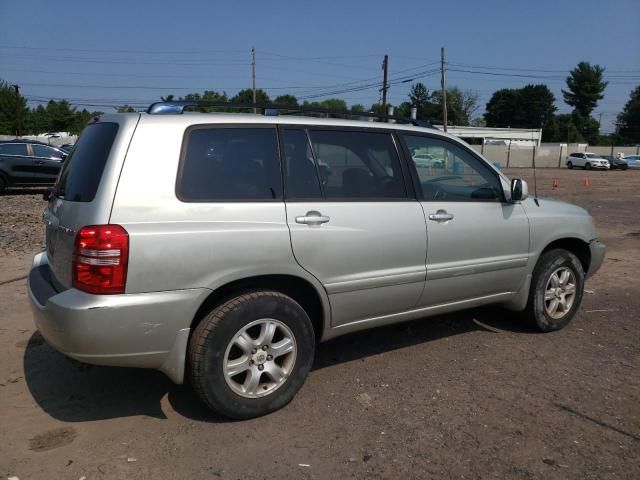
100, 258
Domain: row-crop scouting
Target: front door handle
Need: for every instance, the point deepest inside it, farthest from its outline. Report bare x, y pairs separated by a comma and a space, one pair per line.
313, 219
441, 216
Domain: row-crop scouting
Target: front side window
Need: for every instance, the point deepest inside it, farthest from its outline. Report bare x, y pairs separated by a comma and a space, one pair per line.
230, 164
45, 151
447, 172
357, 165
19, 149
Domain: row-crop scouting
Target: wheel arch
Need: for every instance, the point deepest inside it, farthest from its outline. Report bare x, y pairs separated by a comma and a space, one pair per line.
577, 246
298, 288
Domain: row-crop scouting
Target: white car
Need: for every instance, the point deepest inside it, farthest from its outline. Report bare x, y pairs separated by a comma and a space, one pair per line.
633, 161
587, 160
424, 160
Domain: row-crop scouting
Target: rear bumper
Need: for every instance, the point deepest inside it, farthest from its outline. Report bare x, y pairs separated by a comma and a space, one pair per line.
148, 330
598, 250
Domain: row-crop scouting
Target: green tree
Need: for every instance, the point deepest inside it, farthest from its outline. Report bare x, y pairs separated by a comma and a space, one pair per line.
420, 98
208, 96
8, 114
168, 98
562, 128
584, 88
503, 109
286, 100
461, 105
246, 96
61, 116
37, 120
126, 109
628, 121
531, 106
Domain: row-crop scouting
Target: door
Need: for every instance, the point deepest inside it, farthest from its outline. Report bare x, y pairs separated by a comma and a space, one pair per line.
354, 220
47, 162
16, 163
478, 245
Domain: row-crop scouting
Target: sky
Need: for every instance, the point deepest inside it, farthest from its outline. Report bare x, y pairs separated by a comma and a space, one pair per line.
97, 54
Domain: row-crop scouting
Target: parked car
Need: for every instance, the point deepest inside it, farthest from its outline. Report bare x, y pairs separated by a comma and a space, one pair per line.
25, 163
424, 160
587, 160
230, 258
633, 161
616, 163
66, 147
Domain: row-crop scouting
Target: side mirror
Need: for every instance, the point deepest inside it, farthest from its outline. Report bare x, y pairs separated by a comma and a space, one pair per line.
519, 190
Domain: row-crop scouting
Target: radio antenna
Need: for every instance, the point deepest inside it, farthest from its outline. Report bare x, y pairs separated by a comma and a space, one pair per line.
535, 178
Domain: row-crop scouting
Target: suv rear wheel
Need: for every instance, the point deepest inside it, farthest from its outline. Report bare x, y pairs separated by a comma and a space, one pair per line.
251, 355
556, 290
569, 164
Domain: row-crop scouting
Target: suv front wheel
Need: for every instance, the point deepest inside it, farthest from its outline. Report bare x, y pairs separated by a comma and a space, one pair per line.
556, 290
251, 355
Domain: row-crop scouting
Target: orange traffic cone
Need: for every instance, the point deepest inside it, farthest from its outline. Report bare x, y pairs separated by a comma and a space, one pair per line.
585, 182
554, 184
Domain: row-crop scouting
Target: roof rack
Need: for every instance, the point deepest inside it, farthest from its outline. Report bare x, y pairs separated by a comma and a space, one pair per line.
272, 109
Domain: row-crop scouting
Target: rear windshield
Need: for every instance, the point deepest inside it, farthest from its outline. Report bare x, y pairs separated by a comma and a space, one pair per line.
82, 170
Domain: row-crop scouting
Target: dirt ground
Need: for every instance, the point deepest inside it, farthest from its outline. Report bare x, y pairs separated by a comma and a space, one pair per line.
471, 395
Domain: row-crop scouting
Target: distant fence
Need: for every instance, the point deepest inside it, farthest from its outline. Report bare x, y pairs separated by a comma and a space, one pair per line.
546, 155
51, 141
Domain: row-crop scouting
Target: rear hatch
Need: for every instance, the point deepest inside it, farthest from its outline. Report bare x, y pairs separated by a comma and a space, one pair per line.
83, 194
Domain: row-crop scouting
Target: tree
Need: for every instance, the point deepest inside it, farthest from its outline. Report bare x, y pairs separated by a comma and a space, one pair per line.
208, 96
461, 105
286, 100
168, 98
628, 121
562, 128
419, 97
246, 96
61, 116
584, 88
531, 106
126, 109
8, 114
503, 109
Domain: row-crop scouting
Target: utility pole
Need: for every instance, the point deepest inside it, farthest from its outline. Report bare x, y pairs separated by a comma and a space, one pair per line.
385, 69
18, 111
253, 74
443, 86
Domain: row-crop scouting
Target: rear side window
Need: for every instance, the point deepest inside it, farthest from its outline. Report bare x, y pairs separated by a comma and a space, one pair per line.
13, 149
227, 164
357, 165
82, 170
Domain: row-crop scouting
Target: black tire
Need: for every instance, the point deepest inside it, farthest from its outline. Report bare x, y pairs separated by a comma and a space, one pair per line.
569, 165
587, 166
209, 342
548, 263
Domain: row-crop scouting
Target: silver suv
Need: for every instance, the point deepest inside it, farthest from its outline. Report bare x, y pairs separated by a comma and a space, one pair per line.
224, 247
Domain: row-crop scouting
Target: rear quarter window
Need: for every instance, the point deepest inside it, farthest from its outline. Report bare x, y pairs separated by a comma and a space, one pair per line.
229, 164
82, 170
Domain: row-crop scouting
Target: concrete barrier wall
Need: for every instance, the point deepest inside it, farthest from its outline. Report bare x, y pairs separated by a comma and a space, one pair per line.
51, 141
546, 156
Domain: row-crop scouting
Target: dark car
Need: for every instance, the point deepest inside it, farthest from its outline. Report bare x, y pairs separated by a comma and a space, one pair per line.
26, 163
616, 162
66, 147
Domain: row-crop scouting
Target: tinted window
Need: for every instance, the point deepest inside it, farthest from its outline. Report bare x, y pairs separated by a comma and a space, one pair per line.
301, 175
13, 149
230, 164
45, 151
451, 173
82, 170
356, 164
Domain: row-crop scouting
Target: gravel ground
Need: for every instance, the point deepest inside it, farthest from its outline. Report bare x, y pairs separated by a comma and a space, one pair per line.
471, 395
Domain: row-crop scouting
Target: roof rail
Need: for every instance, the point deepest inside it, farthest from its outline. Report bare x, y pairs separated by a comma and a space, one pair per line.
272, 109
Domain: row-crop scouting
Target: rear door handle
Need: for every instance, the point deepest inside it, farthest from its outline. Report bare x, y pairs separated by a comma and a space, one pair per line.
441, 216
313, 219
